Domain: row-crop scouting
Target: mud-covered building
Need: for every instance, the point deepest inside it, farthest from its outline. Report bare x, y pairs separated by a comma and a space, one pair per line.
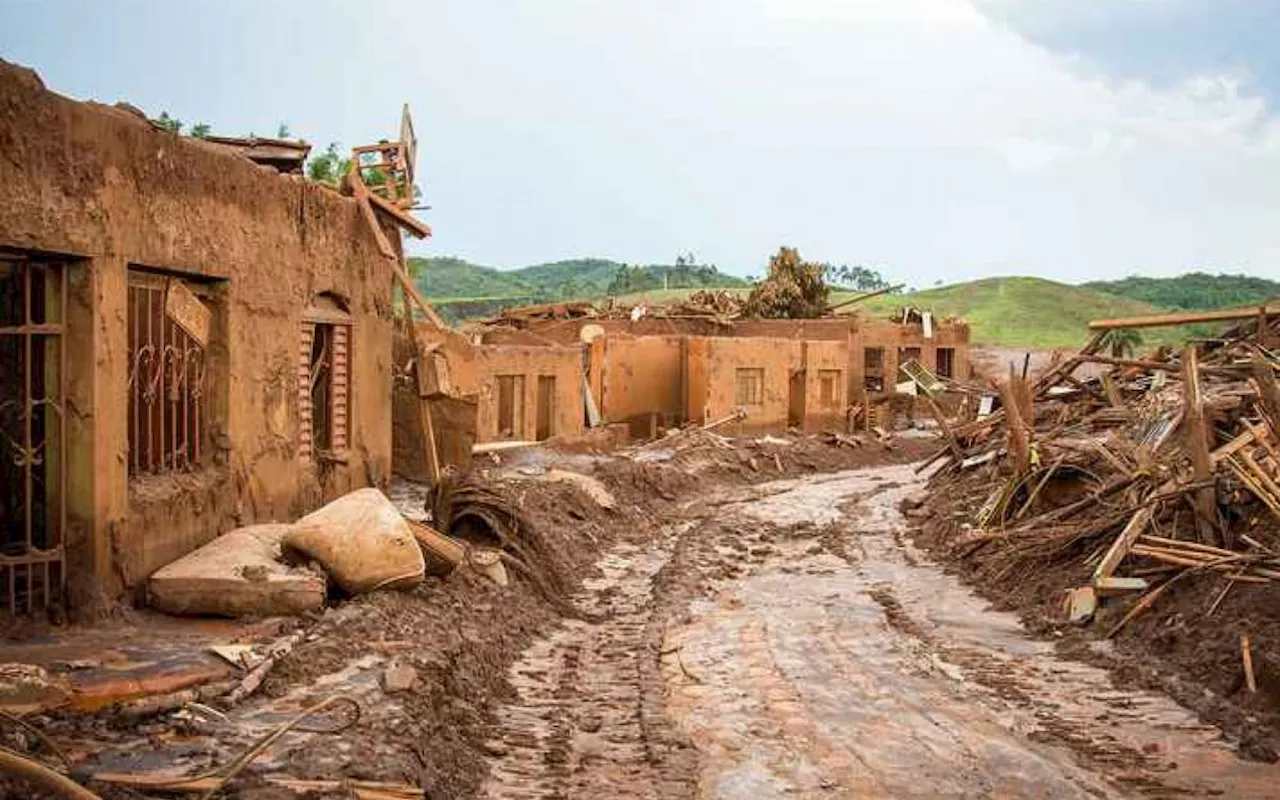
189, 342
542, 377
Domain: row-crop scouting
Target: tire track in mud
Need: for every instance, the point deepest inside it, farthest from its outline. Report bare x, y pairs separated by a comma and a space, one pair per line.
586, 721
880, 676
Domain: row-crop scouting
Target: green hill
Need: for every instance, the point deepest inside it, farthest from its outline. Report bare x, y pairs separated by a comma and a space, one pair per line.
1195, 291
461, 289
1016, 312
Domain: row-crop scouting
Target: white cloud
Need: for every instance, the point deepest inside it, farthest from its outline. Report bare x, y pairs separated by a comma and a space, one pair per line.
922, 135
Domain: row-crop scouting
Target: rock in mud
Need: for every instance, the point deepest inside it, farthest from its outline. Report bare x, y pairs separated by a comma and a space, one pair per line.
399, 678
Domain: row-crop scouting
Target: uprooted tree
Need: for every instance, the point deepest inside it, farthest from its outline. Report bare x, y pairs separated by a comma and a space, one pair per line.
792, 289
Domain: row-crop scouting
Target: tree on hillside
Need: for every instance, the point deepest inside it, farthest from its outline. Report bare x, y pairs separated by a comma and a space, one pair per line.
200, 130
859, 278
633, 278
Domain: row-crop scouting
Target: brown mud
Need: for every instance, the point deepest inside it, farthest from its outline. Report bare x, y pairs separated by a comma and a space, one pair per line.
721, 637
1187, 644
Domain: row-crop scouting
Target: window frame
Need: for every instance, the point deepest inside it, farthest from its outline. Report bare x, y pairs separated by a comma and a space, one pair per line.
752, 388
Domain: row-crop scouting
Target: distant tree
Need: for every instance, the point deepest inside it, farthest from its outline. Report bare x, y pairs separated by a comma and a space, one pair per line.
200, 130
858, 278
169, 123
283, 131
329, 166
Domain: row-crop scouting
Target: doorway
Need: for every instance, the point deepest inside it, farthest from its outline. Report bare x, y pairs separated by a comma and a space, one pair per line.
546, 427
796, 399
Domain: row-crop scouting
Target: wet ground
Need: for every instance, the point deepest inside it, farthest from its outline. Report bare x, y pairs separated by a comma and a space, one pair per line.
785, 641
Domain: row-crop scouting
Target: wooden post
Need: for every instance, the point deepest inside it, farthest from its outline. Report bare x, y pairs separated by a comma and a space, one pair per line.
1019, 441
1198, 445
945, 428
427, 428
1268, 391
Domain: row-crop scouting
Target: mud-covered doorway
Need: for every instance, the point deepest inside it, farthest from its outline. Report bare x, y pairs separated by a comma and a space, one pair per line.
546, 407
33, 431
796, 399
510, 406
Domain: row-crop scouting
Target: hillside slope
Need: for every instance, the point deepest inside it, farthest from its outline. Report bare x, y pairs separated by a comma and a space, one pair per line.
1017, 312
1195, 291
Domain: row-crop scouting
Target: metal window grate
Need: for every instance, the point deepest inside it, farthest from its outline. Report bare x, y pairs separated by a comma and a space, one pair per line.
33, 433
166, 383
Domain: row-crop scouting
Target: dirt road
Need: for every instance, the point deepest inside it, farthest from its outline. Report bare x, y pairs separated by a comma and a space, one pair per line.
785, 640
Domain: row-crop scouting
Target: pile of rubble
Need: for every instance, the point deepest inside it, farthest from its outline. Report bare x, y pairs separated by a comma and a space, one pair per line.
1150, 476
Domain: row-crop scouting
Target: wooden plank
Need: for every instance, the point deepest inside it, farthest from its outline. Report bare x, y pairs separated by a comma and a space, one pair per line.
1246, 658
1268, 392
1198, 444
185, 309
945, 427
1120, 547
1187, 318
416, 227
425, 421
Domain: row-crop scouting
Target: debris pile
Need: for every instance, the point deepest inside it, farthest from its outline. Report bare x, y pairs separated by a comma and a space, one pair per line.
1124, 483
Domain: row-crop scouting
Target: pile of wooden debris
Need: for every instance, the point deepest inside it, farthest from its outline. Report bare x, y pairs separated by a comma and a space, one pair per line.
1151, 470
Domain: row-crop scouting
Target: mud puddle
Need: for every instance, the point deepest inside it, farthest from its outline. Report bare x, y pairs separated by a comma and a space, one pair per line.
862, 670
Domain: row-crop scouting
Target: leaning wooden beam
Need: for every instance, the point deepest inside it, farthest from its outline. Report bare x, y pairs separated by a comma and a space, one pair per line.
1188, 318
1268, 392
945, 428
1198, 444
866, 296
416, 228
1120, 547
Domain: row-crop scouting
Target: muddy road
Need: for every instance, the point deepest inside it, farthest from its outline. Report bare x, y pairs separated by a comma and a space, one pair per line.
786, 641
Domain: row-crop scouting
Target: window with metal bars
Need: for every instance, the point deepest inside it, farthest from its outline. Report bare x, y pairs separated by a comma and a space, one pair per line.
33, 432
324, 384
169, 328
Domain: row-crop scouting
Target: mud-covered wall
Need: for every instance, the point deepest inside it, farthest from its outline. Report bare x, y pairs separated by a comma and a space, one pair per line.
778, 358
562, 363
642, 375
825, 359
894, 336
102, 185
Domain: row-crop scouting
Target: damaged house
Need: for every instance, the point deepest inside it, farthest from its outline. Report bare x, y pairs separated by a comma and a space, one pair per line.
558, 371
189, 342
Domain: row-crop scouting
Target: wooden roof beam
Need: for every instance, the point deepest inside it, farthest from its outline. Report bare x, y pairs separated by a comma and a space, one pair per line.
1184, 318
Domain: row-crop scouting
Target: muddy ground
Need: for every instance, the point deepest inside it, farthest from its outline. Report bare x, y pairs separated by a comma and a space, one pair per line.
1185, 644
726, 630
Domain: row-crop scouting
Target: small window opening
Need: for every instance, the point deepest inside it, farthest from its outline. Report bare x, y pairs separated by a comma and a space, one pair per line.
829, 387
946, 362
749, 386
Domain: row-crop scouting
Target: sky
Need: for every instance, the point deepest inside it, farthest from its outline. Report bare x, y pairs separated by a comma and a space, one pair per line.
935, 140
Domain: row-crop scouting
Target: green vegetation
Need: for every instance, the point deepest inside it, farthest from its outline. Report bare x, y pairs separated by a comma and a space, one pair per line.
448, 281
1017, 312
1195, 291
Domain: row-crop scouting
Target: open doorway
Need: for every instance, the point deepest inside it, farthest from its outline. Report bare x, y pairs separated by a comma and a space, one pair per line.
796, 399
510, 406
546, 427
